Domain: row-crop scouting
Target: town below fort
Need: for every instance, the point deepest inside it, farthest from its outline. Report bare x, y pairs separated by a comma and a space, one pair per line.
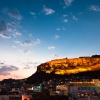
60, 79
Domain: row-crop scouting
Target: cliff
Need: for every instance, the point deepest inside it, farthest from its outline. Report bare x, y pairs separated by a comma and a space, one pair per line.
64, 67
69, 66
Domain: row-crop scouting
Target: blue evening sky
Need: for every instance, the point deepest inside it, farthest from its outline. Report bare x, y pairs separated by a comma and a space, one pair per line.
36, 31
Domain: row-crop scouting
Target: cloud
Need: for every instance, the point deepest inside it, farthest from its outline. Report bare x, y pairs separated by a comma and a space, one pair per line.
25, 51
12, 13
13, 25
68, 2
55, 56
94, 8
74, 18
29, 65
16, 34
65, 15
1, 63
25, 43
3, 35
32, 63
64, 28
5, 10
36, 42
3, 25
14, 46
30, 35
17, 76
32, 13
51, 48
12, 28
15, 14
58, 29
6, 69
65, 20
56, 36
48, 11
29, 42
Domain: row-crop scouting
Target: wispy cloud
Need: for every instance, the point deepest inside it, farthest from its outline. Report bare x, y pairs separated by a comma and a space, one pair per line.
3, 35
15, 14
68, 2
32, 13
64, 28
16, 34
65, 20
65, 15
25, 43
74, 18
12, 25
1, 63
56, 36
51, 48
55, 56
29, 65
30, 35
14, 46
6, 69
48, 11
29, 42
5, 10
17, 76
58, 29
36, 42
94, 8
13, 28
25, 51
3, 25
12, 13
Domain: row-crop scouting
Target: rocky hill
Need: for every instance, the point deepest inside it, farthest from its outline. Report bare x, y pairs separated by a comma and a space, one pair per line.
69, 66
64, 67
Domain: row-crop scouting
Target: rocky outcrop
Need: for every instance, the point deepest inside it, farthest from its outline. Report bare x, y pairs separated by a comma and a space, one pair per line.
70, 66
63, 68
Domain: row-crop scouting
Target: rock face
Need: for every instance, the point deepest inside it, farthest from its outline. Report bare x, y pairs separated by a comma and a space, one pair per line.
71, 66
82, 66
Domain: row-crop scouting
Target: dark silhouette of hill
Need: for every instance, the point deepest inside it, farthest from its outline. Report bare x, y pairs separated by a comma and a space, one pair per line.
8, 81
42, 76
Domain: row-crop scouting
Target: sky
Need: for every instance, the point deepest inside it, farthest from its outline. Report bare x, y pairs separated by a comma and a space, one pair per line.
35, 31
